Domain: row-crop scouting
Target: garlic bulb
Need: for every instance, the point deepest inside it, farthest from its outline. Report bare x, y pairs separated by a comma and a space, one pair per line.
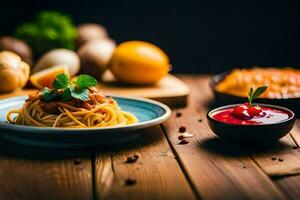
14, 73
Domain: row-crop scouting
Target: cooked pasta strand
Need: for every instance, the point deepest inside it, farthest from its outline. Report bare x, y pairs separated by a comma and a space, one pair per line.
105, 114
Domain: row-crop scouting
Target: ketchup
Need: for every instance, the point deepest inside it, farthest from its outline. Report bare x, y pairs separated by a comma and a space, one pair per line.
247, 115
245, 111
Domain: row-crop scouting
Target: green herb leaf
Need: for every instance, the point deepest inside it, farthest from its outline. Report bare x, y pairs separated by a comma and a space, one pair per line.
66, 90
48, 94
79, 93
250, 93
85, 81
259, 91
61, 81
254, 95
66, 95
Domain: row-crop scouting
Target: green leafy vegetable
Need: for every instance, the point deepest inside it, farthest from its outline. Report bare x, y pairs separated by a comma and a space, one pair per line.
61, 81
85, 81
65, 90
48, 94
255, 94
66, 95
80, 93
49, 30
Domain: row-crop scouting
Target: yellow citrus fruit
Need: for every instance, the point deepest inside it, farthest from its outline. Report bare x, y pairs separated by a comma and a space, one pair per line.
46, 77
137, 62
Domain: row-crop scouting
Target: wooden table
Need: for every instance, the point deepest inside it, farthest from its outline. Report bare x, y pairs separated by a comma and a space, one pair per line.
205, 168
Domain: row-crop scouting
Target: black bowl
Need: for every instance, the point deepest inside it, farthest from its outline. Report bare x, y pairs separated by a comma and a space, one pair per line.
222, 98
252, 133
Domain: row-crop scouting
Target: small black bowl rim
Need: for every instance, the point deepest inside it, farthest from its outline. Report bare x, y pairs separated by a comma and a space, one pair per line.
290, 112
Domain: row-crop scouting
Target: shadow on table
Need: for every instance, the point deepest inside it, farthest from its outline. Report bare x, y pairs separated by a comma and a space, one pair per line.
230, 149
7, 148
10, 149
147, 137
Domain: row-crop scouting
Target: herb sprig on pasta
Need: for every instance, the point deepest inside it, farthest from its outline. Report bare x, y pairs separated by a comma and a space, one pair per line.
71, 104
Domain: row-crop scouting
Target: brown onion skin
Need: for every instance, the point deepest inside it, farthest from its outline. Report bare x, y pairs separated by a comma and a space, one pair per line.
17, 46
90, 31
95, 56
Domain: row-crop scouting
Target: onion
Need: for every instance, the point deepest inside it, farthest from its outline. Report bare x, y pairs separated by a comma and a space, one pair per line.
95, 55
14, 73
90, 31
17, 46
59, 57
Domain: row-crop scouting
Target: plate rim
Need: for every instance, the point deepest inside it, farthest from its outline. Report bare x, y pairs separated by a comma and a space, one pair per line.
139, 125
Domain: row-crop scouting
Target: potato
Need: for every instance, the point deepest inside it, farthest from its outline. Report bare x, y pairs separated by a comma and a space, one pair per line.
90, 31
95, 55
59, 57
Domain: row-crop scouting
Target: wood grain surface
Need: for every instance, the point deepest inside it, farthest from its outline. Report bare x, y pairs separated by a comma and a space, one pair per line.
205, 168
281, 161
156, 173
169, 90
35, 174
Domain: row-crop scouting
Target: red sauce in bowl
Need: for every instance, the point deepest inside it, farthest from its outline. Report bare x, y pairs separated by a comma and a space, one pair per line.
268, 115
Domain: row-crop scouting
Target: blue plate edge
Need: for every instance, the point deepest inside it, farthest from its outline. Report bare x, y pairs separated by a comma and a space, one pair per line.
139, 125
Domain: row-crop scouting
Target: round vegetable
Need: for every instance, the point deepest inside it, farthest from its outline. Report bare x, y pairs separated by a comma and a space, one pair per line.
17, 46
90, 31
140, 63
14, 73
95, 55
59, 57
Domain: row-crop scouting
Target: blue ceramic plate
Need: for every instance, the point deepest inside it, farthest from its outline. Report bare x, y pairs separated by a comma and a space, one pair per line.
147, 111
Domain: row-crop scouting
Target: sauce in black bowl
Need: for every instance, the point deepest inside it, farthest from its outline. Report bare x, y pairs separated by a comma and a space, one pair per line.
270, 124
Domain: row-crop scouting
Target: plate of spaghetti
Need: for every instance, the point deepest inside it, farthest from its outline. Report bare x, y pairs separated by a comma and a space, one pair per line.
75, 114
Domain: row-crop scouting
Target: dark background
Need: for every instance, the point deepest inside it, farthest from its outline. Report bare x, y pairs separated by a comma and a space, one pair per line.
199, 36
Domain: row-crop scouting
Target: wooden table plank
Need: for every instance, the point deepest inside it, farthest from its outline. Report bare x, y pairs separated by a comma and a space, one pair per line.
279, 159
289, 167
295, 132
35, 174
217, 169
156, 172
290, 186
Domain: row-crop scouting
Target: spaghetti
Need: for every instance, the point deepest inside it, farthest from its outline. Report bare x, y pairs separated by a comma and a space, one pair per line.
72, 114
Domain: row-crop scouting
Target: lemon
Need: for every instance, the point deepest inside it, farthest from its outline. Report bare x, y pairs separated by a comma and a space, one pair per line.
140, 63
46, 77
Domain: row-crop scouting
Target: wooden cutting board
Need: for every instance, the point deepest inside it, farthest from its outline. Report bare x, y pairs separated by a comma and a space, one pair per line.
170, 90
